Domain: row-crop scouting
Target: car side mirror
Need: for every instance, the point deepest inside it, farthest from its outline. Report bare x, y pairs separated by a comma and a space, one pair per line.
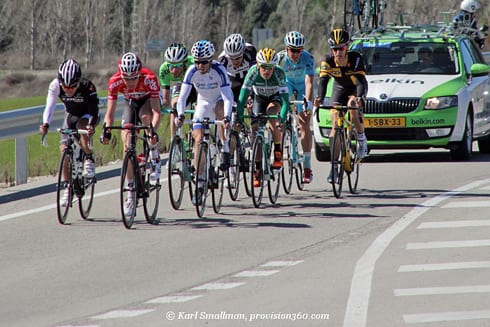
479, 69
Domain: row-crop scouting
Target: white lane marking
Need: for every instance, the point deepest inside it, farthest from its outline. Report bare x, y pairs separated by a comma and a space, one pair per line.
360, 291
174, 299
445, 266
442, 290
122, 314
217, 286
446, 316
48, 207
447, 244
467, 204
256, 273
281, 263
455, 224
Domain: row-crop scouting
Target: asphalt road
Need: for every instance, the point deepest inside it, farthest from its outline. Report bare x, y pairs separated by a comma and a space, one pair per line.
410, 249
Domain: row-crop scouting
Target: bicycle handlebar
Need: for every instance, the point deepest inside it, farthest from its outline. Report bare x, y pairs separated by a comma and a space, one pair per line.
70, 131
344, 109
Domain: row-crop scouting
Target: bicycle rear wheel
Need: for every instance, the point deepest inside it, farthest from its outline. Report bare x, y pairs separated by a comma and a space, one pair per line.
233, 173
257, 172
62, 211
151, 199
337, 164
128, 190
288, 165
176, 162
202, 180
217, 179
86, 199
353, 174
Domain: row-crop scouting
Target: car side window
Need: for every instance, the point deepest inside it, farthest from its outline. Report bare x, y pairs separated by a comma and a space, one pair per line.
467, 55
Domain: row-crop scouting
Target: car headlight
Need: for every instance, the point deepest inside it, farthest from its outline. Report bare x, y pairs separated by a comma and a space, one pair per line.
441, 102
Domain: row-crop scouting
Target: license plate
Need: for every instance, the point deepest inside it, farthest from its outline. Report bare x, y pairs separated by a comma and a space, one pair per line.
384, 122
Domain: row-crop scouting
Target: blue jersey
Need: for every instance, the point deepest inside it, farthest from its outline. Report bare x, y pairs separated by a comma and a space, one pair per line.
296, 72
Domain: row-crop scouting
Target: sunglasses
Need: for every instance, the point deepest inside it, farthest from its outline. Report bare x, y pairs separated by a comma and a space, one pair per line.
341, 48
295, 50
132, 78
236, 58
267, 67
71, 87
201, 62
179, 65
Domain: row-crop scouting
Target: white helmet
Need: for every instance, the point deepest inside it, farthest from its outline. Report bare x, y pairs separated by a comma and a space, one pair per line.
234, 45
130, 64
470, 5
176, 52
294, 39
202, 49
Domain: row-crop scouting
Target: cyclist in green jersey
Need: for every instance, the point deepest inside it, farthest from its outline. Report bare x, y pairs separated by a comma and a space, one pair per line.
268, 83
171, 75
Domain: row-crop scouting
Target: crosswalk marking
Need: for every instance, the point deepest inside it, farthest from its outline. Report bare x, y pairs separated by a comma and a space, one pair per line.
281, 263
446, 316
445, 266
447, 244
122, 314
455, 224
467, 204
256, 273
217, 286
174, 299
442, 290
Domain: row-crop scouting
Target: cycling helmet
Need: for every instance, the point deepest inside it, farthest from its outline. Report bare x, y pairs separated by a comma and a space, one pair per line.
470, 5
129, 64
338, 37
234, 45
69, 72
202, 49
294, 39
176, 52
267, 56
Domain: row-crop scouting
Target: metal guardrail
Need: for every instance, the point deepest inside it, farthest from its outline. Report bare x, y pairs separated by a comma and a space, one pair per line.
20, 123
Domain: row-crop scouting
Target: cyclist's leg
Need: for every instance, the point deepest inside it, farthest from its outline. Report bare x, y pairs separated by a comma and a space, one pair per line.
68, 122
203, 109
128, 117
304, 117
89, 164
274, 108
356, 117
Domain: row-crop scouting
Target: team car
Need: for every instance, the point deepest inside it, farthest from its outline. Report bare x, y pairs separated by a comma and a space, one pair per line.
413, 106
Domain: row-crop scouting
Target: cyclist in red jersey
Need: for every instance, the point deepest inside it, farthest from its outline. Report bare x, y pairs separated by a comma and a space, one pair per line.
141, 91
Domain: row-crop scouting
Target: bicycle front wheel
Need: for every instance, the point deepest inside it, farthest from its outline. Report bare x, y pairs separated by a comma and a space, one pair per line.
217, 180
63, 204
288, 165
355, 163
176, 162
202, 180
128, 191
86, 199
247, 154
337, 162
274, 180
257, 172
233, 173
151, 196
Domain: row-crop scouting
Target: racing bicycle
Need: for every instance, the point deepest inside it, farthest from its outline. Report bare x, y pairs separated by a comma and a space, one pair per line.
344, 143
292, 149
137, 167
262, 157
80, 188
208, 175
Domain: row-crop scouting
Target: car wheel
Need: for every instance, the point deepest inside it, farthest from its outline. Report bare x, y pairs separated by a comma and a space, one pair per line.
322, 152
464, 148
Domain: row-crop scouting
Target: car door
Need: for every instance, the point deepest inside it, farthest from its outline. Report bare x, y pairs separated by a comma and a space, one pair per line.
477, 87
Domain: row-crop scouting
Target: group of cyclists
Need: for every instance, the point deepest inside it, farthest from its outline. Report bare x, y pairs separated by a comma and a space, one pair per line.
240, 78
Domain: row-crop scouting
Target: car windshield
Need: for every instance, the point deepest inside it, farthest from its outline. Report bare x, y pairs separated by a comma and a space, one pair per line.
383, 57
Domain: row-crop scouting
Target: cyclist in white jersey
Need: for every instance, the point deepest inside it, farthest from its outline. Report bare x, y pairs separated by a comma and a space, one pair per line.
299, 66
214, 95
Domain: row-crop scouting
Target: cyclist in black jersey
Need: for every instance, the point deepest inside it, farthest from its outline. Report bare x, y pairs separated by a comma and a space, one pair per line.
350, 83
81, 102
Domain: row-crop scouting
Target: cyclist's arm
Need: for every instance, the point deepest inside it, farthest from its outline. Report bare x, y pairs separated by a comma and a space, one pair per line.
155, 107
227, 95
309, 80
242, 100
285, 105
110, 112
51, 98
93, 104
185, 90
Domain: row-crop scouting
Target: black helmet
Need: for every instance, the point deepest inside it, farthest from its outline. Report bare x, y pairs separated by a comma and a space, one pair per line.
69, 72
337, 37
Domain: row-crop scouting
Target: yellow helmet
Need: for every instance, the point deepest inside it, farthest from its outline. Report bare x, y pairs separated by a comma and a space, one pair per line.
267, 56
